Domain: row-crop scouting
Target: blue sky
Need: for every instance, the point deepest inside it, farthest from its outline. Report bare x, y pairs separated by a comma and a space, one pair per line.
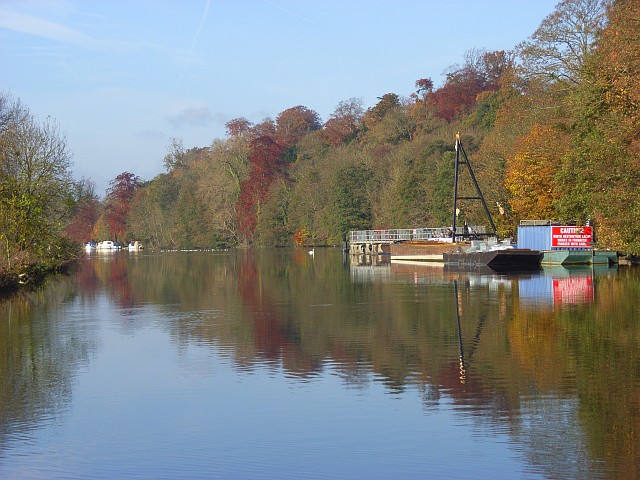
123, 78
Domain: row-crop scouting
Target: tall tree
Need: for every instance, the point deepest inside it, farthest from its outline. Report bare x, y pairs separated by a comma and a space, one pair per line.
152, 216
351, 199
532, 170
266, 165
388, 102
35, 174
294, 123
118, 203
559, 47
238, 126
175, 156
266, 128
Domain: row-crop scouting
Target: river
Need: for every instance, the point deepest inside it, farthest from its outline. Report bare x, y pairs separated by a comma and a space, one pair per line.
274, 364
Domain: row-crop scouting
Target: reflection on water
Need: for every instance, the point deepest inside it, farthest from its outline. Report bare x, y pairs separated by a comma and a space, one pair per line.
275, 364
39, 360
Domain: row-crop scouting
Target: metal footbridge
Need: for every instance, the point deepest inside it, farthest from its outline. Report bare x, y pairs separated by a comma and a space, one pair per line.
372, 241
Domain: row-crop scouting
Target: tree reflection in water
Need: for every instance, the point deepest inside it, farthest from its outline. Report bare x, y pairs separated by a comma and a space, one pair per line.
554, 363
39, 358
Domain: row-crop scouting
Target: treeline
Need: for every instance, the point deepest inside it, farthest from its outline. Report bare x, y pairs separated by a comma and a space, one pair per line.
552, 130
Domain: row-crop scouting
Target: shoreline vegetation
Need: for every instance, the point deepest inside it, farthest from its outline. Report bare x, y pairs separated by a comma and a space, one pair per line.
30, 272
552, 127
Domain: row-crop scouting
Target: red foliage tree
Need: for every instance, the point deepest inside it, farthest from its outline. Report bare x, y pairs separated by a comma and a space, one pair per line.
118, 202
266, 158
266, 128
457, 95
481, 72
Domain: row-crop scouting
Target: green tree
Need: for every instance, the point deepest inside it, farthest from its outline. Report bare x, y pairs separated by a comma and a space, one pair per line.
35, 182
351, 199
152, 217
388, 102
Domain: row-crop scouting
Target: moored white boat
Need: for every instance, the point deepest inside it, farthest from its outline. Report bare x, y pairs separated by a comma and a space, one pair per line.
106, 245
135, 246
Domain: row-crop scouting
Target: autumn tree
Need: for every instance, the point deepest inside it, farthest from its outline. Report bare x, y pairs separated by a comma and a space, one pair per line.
36, 191
118, 202
386, 103
481, 72
218, 184
344, 122
424, 86
531, 173
266, 165
615, 70
85, 212
604, 172
174, 158
266, 128
309, 205
272, 226
152, 216
293, 123
238, 127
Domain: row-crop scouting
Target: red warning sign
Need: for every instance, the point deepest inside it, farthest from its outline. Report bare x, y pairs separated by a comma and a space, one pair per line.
571, 237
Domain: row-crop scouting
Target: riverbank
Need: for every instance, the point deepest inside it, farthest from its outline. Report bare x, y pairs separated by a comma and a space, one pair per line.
29, 272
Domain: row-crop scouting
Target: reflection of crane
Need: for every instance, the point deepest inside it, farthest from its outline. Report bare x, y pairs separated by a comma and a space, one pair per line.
463, 373
476, 338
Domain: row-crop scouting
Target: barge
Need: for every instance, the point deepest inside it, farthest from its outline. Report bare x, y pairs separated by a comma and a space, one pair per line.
497, 256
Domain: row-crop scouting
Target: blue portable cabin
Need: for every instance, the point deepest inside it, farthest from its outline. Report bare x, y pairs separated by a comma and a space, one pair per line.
535, 234
562, 244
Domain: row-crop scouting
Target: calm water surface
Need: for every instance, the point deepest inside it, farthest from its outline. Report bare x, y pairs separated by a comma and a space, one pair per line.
275, 364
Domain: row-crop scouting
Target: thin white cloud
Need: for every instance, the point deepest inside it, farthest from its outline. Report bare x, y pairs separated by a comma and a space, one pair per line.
192, 117
152, 135
19, 22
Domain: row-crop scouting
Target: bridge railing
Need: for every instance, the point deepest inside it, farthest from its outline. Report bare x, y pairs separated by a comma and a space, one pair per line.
407, 234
